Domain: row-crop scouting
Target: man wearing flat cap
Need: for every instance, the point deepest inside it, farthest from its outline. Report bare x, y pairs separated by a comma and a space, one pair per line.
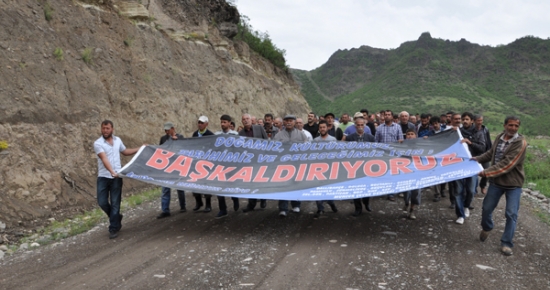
289, 134
166, 191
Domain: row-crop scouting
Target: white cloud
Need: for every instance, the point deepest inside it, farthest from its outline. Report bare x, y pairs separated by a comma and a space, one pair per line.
311, 31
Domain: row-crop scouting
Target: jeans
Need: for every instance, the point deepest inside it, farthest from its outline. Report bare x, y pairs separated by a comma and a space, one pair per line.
412, 196
165, 199
464, 195
110, 189
283, 204
490, 202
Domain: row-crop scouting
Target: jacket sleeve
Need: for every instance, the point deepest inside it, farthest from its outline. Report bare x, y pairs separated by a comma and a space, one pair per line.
479, 144
514, 156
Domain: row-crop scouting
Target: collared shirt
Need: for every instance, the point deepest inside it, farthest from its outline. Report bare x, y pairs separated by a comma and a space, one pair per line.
502, 145
388, 134
112, 152
229, 132
249, 133
351, 129
308, 135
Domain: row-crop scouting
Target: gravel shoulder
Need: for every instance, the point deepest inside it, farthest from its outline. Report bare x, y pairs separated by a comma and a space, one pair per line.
259, 250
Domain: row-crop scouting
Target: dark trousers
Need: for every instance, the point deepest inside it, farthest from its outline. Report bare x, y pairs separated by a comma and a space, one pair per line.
357, 203
109, 195
252, 203
221, 202
207, 197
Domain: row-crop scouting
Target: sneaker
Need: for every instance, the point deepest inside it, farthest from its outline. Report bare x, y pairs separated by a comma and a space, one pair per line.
466, 212
318, 214
357, 212
282, 213
507, 251
412, 216
460, 221
221, 214
333, 207
483, 235
296, 209
113, 234
197, 207
391, 197
406, 208
163, 215
183, 210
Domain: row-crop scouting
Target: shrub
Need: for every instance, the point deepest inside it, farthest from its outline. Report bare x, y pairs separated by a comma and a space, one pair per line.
48, 11
87, 55
3, 145
58, 53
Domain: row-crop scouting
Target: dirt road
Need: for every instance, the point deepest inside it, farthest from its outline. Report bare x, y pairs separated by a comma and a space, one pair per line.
259, 250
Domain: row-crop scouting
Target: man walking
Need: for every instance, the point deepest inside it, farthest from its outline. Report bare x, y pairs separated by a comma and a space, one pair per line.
225, 124
506, 177
324, 136
389, 132
289, 134
109, 186
166, 191
202, 125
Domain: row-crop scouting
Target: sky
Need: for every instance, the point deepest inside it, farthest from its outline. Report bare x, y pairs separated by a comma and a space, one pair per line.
312, 30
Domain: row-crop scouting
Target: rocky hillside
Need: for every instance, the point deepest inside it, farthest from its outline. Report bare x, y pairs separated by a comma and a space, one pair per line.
436, 75
67, 65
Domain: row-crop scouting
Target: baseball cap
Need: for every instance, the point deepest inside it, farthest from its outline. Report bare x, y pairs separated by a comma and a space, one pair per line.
168, 125
358, 115
203, 119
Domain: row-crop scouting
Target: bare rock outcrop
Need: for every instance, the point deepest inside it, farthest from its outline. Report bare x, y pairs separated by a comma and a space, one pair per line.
60, 78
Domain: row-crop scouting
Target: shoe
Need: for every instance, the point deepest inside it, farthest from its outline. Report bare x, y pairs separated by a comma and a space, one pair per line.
483, 235
356, 213
466, 212
333, 207
197, 207
282, 213
263, 203
207, 209
412, 216
247, 209
401, 195
318, 214
183, 210
460, 221
507, 251
436, 199
113, 234
296, 209
221, 214
452, 205
163, 215
406, 208
235, 206
391, 198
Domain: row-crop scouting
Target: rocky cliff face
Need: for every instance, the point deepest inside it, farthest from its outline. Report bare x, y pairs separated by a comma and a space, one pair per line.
137, 63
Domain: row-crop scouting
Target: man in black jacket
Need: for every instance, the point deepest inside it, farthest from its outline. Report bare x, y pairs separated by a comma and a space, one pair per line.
166, 191
252, 131
360, 136
203, 131
478, 122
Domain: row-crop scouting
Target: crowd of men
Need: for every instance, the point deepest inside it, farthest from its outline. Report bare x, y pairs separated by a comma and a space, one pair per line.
502, 161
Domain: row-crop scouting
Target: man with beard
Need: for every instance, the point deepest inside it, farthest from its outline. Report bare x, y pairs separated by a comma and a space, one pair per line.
311, 125
478, 121
360, 136
225, 123
252, 131
269, 128
202, 131
465, 190
324, 136
289, 134
166, 191
109, 186
389, 132
424, 127
332, 129
506, 177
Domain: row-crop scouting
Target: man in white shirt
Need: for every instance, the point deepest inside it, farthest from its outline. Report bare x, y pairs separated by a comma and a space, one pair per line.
109, 186
300, 126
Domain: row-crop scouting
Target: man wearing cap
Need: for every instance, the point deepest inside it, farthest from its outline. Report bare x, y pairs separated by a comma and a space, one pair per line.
202, 131
225, 123
333, 130
252, 131
289, 134
351, 129
166, 191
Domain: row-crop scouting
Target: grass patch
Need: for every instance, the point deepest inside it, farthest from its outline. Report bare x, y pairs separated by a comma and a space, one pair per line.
3, 145
87, 55
82, 223
48, 12
58, 53
543, 216
128, 41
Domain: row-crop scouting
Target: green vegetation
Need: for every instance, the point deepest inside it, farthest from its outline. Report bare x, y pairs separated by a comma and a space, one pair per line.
435, 76
87, 55
48, 11
58, 53
261, 43
3, 145
128, 41
537, 164
86, 221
